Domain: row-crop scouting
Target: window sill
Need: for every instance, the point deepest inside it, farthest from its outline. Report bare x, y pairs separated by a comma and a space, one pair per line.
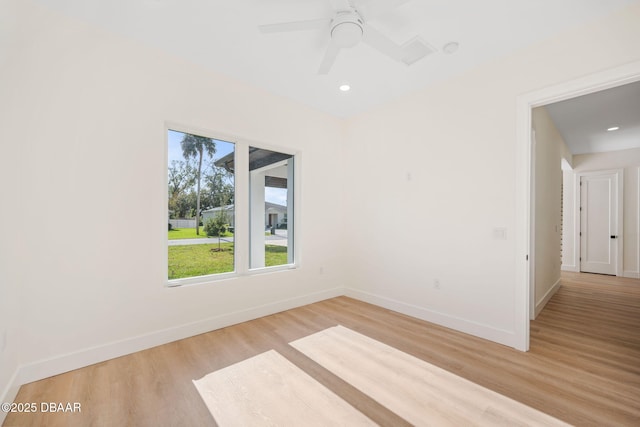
212, 278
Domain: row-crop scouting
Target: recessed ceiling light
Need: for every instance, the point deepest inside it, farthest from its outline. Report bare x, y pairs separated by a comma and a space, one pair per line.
611, 129
345, 87
451, 47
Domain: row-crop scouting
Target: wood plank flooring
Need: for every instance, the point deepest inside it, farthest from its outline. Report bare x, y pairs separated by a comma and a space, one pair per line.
268, 390
583, 367
421, 393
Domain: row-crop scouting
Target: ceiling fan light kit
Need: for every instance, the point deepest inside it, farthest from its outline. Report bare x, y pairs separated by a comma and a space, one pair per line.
348, 28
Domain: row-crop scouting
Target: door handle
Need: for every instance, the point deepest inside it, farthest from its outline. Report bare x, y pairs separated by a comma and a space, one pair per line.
614, 237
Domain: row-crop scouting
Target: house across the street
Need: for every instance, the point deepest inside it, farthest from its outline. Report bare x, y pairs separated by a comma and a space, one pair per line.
274, 214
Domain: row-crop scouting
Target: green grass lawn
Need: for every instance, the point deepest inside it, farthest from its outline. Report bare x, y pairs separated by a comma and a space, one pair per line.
190, 233
275, 255
200, 260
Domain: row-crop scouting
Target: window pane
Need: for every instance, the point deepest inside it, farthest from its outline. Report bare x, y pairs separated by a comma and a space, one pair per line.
201, 206
270, 208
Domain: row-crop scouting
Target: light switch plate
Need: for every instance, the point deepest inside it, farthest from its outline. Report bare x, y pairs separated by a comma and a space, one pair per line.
500, 233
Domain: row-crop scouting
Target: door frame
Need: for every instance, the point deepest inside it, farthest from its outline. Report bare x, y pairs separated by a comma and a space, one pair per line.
532, 213
619, 188
618, 76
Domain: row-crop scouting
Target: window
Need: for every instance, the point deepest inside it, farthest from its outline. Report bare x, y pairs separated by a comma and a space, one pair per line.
201, 206
210, 230
271, 208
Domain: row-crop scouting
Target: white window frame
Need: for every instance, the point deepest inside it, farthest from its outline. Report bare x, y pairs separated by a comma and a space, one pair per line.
241, 207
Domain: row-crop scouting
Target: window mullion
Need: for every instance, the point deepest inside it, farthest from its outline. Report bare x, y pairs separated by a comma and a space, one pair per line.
241, 239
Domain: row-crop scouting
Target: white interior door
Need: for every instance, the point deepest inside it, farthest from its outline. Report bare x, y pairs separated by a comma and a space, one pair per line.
599, 223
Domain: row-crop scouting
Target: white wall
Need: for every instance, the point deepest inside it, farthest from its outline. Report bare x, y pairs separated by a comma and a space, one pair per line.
83, 130
569, 256
12, 251
550, 149
10, 281
446, 155
629, 160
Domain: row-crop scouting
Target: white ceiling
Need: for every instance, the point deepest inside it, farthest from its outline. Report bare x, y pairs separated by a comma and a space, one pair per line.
223, 36
583, 121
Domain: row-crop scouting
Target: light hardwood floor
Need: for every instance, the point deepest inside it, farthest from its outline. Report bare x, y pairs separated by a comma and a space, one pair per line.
583, 367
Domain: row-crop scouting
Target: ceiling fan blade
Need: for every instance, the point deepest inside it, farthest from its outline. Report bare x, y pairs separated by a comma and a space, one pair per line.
373, 9
382, 43
314, 24
329, 58
340, 5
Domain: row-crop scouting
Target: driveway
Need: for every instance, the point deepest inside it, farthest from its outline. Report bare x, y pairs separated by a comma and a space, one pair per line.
280, 239
203, 241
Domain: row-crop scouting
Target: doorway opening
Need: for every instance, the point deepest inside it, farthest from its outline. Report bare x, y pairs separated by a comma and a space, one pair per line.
525, 202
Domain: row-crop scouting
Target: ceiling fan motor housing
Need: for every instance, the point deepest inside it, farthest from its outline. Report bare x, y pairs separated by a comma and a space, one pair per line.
346, 29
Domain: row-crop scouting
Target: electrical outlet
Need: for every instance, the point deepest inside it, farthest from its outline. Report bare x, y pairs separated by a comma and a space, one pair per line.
436, 284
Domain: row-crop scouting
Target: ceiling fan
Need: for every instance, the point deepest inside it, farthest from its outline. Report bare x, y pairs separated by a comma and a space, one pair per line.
348, 27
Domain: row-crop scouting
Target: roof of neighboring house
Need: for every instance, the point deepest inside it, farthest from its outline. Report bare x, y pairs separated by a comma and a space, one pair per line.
267, 205
219, 208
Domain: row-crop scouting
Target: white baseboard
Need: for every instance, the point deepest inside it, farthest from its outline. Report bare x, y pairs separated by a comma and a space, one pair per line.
89, 356
631, 274
573, 268
545, 299
507, 338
